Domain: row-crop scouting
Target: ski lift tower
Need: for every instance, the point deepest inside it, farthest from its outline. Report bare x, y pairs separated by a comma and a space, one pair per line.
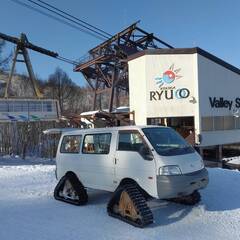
106, 67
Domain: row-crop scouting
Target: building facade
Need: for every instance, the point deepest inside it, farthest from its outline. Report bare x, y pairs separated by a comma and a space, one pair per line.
190, 90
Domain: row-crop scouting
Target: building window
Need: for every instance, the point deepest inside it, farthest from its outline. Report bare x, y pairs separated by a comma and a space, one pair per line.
3, 106
35, 106
220, 123
237, 120
155, 121
21, 106
47, 106
229, 122
97, 143
71, 144
207, 124
11, 106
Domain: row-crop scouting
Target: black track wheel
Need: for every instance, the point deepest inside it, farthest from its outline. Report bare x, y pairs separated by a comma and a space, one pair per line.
69, 189
129, 205
191, 199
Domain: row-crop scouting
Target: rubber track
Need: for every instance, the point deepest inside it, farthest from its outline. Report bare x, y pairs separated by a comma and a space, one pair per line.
78, 187
138, 201
190, 200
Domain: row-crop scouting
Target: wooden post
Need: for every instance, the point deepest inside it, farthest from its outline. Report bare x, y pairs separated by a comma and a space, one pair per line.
94, 100
112, 90
201, 151
165, 122
95, 96
219, 155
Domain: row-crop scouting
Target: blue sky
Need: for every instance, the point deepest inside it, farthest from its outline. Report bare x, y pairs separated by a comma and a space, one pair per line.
210, 24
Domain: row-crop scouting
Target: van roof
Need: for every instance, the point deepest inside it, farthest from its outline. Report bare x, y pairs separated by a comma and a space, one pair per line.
89, 130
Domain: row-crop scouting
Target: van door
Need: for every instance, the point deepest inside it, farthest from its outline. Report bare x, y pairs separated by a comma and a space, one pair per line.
97, 155
134, 160
68, 155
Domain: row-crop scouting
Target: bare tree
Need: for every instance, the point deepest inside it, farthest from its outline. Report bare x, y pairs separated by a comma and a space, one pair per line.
3, 60
60, 86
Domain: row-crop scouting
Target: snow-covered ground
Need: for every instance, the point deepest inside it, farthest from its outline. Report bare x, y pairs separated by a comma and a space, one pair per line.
28, 210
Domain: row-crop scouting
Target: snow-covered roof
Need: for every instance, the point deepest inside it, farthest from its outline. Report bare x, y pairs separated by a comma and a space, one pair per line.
58, 130
125, 109
121, 109
88, 113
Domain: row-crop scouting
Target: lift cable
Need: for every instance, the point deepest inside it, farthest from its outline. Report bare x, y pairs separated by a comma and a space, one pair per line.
67, 60
27, 44
58, 19
67, 18
67, 14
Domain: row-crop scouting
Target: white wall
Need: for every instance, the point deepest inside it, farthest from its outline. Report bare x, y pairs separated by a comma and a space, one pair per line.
142, 74
156, 65
217, 81
137, 89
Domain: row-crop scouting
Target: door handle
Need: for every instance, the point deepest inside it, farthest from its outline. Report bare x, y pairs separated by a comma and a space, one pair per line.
115, 160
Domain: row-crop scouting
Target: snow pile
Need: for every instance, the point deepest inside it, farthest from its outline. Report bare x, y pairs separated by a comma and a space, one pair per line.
232, 160
28, 211
8, 160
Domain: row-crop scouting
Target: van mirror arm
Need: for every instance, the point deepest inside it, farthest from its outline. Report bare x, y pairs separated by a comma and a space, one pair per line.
148, 157
146, 153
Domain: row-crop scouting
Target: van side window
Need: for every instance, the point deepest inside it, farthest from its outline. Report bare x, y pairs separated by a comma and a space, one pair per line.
97, 143
71, 144
130, 141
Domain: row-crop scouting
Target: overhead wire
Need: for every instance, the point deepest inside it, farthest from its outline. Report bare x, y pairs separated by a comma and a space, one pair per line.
64, 22
57, 19
69, 19
70, 15
67, 60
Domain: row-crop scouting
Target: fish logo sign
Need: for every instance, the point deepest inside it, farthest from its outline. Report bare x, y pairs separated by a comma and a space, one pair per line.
169, 76
169, 92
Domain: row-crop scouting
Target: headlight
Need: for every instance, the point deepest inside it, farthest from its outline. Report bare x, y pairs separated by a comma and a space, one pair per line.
169, 170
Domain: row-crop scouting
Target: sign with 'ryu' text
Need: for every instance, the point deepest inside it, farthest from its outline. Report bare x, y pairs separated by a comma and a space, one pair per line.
167, 89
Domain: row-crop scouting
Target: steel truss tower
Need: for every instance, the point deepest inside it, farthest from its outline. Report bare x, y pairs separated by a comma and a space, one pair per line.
106, 67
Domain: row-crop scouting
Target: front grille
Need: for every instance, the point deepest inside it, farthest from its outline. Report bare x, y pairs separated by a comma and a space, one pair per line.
192, 173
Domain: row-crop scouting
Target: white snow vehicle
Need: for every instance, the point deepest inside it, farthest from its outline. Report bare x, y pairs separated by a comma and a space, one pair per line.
133, 162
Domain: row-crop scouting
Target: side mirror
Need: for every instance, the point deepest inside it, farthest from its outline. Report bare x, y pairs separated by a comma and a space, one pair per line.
146, 153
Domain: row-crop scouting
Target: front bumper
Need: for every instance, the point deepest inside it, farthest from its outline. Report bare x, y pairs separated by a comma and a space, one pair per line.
181, 185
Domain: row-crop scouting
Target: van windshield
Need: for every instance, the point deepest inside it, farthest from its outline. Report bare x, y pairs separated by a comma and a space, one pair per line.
167, 142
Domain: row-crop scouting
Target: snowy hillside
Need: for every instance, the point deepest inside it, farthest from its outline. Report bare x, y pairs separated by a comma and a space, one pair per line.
29, 212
